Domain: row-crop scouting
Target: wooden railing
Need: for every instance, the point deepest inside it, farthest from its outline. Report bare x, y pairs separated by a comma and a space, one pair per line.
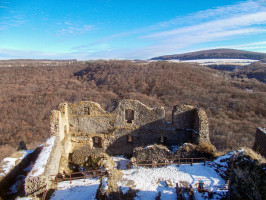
166, 162
65, 177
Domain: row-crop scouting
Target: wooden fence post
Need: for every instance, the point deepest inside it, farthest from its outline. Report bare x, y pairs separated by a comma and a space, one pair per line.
70, 178
191, 161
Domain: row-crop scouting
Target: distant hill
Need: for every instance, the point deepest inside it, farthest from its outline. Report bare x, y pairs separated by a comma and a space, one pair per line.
215, 53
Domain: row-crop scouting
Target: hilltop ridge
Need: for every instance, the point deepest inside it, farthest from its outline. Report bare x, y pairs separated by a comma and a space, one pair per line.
215, 53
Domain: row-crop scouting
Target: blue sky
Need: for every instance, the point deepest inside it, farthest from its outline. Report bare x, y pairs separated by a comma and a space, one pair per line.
124, 29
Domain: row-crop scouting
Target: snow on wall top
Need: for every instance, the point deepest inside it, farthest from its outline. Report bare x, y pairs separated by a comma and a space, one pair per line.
42, 159
263, 130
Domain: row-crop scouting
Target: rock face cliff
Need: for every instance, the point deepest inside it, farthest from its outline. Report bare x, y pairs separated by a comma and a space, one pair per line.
248, 176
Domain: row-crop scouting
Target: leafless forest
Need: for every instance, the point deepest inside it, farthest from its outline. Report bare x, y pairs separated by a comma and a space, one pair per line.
235, 104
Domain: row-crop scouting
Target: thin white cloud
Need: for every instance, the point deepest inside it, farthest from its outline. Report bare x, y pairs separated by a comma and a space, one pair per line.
73, 28
218, 25
216, 13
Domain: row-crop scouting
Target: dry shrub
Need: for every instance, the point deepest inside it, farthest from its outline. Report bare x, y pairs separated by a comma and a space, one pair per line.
207, 148
253, 155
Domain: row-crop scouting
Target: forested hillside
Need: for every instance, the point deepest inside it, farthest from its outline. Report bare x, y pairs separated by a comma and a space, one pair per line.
235, 106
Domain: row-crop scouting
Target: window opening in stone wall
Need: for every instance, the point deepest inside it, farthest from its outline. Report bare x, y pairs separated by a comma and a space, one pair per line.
129, 115
163, 140
129, 138
86, 111
97, 142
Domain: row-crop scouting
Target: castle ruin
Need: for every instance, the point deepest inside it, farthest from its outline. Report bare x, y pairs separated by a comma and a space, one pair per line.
131, 124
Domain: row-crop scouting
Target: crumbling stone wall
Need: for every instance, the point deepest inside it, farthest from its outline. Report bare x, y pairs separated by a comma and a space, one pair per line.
260, 141
116, 134
201, 126
131, 124
36, 183
183, 116
7, 180
194, 119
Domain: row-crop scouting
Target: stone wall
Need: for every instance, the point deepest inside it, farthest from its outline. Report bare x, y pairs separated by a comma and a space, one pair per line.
201, 126
129, 125
116, 133
194, 119
7, 180
48, 162
260, 141
183, 116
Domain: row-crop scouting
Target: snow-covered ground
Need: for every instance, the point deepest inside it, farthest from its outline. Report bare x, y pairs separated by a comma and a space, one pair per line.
121, 161
77, 190
241, 62
42, 159
8, 163
150, 181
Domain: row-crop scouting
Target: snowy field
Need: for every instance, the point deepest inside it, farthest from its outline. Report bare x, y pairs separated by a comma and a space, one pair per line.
77, 190
150, 181
241, 62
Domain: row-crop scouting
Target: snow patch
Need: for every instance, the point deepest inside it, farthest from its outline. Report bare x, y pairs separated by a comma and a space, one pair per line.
121, 161
221, 61
149, 181
9, 163
77, 190
40, 163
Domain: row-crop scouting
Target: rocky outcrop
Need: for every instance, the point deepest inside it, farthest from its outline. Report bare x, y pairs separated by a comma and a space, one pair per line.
248, 176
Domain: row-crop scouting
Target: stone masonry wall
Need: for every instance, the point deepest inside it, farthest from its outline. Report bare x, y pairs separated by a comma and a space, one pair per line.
40, 175
183, 116
88, 123
88, 120
193, 119
201, 126
260, 141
